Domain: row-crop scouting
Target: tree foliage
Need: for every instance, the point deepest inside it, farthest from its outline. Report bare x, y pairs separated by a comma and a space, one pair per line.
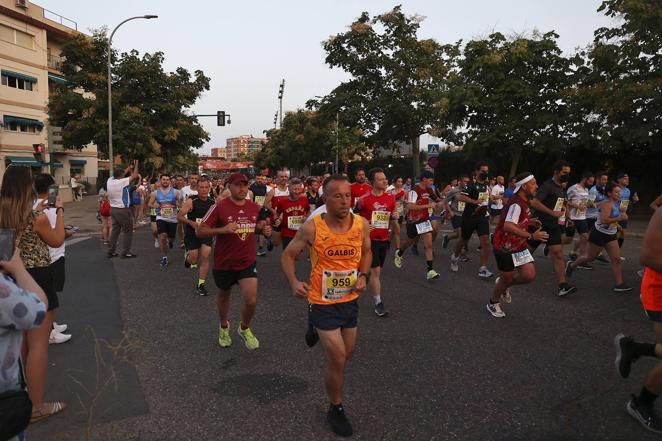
150, 122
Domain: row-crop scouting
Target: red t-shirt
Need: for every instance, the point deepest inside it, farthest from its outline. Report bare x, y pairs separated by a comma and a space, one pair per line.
400, 199
420, 196
234, 251
377, 209
359, 190
294, 214
516, 211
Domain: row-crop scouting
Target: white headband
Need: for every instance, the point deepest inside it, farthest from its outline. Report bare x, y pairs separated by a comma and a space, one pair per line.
519, 184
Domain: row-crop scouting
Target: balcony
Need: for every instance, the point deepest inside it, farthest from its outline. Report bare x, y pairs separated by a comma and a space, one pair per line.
64, 21
55, 62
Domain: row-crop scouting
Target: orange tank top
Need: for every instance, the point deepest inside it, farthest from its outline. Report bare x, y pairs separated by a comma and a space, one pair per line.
651, 290
334, 259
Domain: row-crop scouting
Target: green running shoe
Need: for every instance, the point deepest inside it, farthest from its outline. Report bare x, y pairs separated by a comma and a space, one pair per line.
252, 343
224, 339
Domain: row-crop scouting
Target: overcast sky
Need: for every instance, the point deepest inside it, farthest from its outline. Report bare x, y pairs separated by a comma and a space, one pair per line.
246, 47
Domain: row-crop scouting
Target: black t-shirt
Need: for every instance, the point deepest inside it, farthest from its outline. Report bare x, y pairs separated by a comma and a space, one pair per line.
198, 211
478, 191
314, 200
258, 189
552, 196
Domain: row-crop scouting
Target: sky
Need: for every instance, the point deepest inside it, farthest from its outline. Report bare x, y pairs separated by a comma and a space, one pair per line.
247, 47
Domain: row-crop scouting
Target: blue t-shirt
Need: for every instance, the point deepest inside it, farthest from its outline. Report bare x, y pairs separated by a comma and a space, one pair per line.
508, 193
598, 197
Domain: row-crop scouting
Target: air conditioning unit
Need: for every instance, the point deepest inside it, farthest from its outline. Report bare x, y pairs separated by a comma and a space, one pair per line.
22, 4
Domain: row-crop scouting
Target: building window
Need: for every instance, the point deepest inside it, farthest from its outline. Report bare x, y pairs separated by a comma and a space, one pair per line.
18, 81
16, 37
22, 125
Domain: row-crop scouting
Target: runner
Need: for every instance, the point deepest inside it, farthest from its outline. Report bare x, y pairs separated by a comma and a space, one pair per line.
360, 186
185, 192
419, 201
596, 196
400, 195
625, 201
378, 207
279, 192
156, 184
234, 221
198, 250
475, 217
496, 199
340, 259
513, 258
313, 193
549, 205
454, 210
604, 236
628, 351
292, 211
578, 203
166, 202
259, 191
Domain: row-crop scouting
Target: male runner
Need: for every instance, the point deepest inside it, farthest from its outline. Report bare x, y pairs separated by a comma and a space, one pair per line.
419, 200
185, 192
198, 250
235, 221
360, 186
259, 190
281, 191
166, 202
578, 203
155, 185
340, 257
454, 210
496, 198
292, 211
549, 204
378, 207
400, 196
628, 351
476, 196
511, 253
626, 199
312, 193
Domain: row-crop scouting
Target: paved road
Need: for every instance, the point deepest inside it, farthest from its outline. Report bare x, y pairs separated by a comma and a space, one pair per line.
440, 367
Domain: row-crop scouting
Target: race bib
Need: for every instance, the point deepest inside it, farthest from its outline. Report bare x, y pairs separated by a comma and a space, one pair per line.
167, 212
460, 206
484, 197
338, 284
522, 258
295, 222
423, 227
582, 211
559, 204
259, 200
624, 205
380, 219
198, 220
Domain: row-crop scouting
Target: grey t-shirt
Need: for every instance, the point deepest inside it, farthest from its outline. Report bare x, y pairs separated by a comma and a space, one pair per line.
451, 197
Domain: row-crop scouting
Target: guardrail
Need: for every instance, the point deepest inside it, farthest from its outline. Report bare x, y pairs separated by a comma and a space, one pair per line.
54, 16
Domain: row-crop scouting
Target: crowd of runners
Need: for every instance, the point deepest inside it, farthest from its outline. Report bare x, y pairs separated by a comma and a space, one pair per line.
347, 231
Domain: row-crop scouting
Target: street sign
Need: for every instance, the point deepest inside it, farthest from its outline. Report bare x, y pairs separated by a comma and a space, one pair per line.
433, 162
433, 150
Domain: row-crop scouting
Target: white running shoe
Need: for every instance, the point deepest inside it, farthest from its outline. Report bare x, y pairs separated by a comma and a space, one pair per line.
454, 263
156, 243
495, 310
57, 338
485, 273
59, 328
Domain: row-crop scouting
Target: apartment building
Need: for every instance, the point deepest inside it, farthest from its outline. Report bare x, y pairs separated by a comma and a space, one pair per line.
219, 152
31, 39
237, 148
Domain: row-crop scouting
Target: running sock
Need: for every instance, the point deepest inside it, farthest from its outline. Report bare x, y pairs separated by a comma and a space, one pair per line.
377, 300
429, 262
644, 349
201, 282
620, 242
646, 397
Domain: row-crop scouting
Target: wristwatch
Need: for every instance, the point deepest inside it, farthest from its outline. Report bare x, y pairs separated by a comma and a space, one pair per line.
366, 275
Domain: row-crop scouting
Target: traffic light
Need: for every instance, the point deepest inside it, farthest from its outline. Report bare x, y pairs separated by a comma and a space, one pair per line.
220, 118
38, 151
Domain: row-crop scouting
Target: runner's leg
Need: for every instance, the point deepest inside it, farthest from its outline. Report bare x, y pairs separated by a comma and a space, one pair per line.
223, 306
334, 347
248, 287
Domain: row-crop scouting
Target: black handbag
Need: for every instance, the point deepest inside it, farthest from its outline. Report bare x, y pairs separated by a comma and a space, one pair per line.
15, 410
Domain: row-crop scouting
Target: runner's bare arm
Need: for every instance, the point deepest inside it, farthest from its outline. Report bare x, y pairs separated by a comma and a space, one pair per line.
467, 199
651, 250
540, 207
152, 200
657, 203
304, 237
181, 215
366, 258
605, 214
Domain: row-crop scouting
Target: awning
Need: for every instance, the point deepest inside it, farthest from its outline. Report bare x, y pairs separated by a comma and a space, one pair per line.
56, 164
56, 78
19, 75
26, 161
23, 121
77, 162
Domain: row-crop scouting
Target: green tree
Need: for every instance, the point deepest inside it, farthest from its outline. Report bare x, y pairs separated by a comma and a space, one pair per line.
150, 120
396, 86
514, 92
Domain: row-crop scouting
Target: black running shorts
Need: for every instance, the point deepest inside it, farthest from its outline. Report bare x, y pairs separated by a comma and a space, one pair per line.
336, 316
379, 250
165, 227
225, 279
481, 225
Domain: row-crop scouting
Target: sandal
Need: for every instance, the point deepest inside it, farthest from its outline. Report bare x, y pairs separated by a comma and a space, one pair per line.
39, 414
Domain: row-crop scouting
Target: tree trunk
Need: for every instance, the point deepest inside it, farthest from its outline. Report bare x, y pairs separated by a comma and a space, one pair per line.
416, 157
517, 155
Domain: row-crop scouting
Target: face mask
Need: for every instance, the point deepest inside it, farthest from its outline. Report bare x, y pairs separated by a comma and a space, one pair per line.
564, 178
483, 176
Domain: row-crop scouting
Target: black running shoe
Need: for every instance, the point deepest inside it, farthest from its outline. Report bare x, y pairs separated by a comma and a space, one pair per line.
338, 421
625, 355
444, 244
565, 289
645, 415
111, 255
311, 337
270, 245
380, 310
585, 266
623, 287
202, 290
128, 256
568, 268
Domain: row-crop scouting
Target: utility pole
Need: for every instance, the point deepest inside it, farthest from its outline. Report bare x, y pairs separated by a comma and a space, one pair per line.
281, 90
337, 146
276, 119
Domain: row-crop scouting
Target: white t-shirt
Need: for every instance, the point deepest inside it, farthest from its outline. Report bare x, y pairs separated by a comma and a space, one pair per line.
51, 214
74, 183
186, 192
496, 191
577, 195
118, 192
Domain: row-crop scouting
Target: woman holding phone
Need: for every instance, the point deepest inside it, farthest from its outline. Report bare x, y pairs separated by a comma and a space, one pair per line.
35, 235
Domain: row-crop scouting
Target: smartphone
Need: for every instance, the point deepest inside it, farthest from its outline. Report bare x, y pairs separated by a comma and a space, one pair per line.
52, 194
7, 244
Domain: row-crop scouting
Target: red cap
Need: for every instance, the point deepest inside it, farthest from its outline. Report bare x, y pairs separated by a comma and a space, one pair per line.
237, 177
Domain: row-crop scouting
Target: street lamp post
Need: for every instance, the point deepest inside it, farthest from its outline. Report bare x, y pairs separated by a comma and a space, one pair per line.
110, 100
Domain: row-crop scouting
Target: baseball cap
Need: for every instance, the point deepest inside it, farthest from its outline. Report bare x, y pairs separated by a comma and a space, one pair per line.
237, 177
621, 175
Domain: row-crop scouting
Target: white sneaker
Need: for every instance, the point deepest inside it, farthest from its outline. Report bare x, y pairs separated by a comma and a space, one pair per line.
495, 310
57, 338
59, 328
484, 273
156, 243
454, 263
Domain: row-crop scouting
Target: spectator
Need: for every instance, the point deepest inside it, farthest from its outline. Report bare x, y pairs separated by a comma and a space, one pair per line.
120, 209
75, 188
104, 214
25, 296
35, 236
